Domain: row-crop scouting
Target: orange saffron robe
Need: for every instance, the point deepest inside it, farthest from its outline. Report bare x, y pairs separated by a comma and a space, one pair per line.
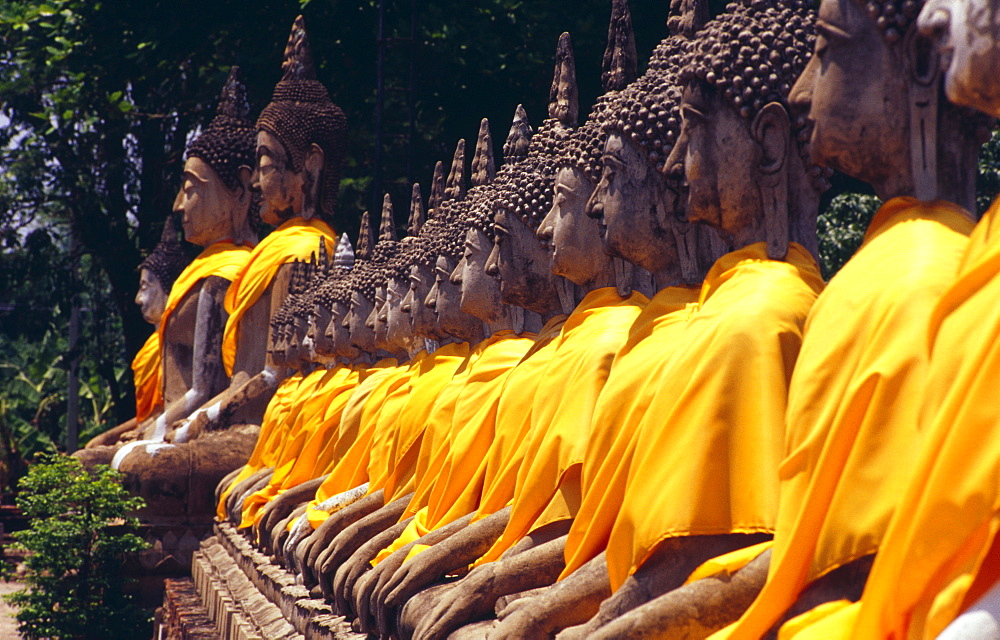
708, 462
548, 485
636, 374
852, 415
940, 551
295, 239
147, 372
449, 460
277, 408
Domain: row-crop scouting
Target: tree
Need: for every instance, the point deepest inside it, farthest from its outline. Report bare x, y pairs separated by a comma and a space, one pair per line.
78, 537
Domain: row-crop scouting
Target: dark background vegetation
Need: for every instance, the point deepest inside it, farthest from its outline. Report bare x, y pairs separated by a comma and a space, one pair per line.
97, 98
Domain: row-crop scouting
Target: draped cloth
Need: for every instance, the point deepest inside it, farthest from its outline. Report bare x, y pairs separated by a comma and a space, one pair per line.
636, 373
406, 417
293, 463
513, 422
278, 407
147, 372
940, 551
354, 436
449, 462
548, 484
707, 464
296, 239
223, 259
852, 415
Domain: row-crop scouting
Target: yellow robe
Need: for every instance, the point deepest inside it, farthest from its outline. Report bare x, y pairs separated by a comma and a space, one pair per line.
293, 464
636, 374
223, 259
296, 239
452, 458
548, 485
406, 417
354, 436
284, 431
851, 415
147, 372
708, 463
939, 553
277, 408
513, 420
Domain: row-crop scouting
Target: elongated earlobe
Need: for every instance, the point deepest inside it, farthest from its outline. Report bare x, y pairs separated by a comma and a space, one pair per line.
771, 130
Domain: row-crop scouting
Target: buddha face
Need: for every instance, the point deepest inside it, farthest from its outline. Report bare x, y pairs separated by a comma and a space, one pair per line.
338, 332
575, 239
720, 162
523, 265
480, 292
855, 92
399, 329
635, 207
320, 320
967, 34
356, 322
209, 211
299, 347
378, 317
279, 346
151, 297
282, 188
422, 318
445, 298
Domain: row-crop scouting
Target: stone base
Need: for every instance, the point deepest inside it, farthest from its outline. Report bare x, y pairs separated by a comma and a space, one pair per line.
246, 596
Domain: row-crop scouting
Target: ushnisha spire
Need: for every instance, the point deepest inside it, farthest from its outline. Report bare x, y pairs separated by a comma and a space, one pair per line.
519, 137
343, 254
483, 166
366, 238
229, 141
387, 228
417, 216
455, 188
437, 189
298, 61
620, 63
687, 17
564, 95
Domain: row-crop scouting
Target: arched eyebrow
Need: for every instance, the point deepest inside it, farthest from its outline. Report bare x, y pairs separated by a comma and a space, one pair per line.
831, 31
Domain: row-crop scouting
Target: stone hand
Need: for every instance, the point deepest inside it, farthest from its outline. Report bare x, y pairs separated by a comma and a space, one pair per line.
457, 604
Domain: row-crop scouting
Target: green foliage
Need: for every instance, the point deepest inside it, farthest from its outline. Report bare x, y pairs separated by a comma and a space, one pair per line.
988, 180
841, 228
79, 535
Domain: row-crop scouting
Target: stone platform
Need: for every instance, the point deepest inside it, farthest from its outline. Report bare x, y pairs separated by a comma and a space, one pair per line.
242, 595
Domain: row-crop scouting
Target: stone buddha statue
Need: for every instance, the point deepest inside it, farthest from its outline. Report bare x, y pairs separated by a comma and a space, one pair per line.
300, 146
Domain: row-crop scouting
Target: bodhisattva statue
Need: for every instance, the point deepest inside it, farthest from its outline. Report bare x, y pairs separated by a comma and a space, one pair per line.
301, 136
749, 317
926, 572
213, 205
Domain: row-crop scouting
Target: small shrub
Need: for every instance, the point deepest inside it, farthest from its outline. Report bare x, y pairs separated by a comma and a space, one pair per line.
77, 540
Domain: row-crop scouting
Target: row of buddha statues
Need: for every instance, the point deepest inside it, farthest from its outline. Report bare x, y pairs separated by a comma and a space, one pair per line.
602, 390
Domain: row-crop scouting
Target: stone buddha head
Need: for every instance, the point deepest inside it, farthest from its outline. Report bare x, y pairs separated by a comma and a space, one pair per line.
871, 97
301, 140
966, 34
157, 274
398, 322
288, 330
746, 166
361, 303
214, 200
327, 314
445, 296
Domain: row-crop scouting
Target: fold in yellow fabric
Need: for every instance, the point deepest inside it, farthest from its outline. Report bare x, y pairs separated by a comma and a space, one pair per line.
513, 421
547, 488
851, 412
223, 259
277, 408
636, 373
354, 437
406, 417
147, 372
708, 463
296, 239
448, 461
